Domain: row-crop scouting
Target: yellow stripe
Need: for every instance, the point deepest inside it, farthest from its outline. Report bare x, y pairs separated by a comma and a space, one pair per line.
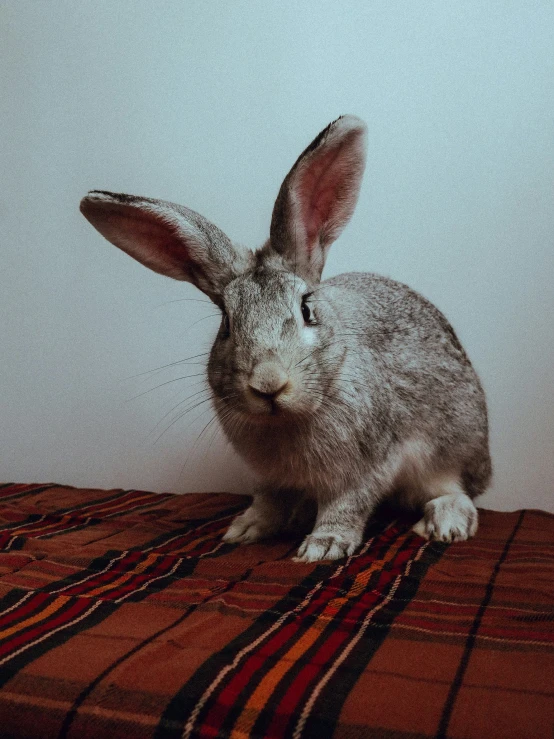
60, 601
263, 692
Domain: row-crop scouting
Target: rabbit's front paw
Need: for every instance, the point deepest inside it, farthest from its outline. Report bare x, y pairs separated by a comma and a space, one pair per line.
448, 518
327, 546
247, 528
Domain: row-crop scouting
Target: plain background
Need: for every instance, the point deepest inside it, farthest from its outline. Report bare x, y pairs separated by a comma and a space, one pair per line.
208, 104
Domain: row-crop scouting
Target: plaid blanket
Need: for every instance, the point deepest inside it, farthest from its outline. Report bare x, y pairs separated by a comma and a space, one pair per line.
122, 614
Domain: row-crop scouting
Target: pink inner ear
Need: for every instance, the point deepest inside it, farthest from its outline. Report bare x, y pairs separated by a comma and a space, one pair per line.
153, 240
318, 191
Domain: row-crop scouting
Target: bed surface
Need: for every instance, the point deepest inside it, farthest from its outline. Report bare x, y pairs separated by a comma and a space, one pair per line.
122, 614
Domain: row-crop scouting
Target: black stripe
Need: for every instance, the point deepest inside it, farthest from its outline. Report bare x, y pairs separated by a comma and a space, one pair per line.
191, 526
113, 558
266, 716
326, 710
84, 694
34, 612
91, 503
11, 598
37, 489
32, 518
117, 568
377, 552
71, 526
106, 565
36, 609
235, 711
184, 702
470, 643
60, 512
157, 581
81, 698
94, 520
264, 720
15, 664
95, 566
103, 611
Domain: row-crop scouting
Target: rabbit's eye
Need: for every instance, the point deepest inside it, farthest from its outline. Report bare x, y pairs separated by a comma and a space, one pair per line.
307, 312
225, 327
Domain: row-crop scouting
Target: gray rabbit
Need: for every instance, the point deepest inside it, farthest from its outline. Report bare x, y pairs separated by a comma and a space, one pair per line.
341, 394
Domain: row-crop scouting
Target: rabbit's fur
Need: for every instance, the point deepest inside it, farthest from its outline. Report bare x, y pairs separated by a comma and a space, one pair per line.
340, 394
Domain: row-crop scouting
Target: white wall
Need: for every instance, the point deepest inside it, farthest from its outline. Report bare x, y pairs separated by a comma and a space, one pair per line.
209, 103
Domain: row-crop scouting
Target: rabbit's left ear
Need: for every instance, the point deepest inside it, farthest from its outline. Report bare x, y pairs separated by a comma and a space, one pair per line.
319, 195
168, 238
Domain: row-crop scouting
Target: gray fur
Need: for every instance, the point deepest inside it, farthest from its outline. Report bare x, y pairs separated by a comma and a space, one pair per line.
375, 398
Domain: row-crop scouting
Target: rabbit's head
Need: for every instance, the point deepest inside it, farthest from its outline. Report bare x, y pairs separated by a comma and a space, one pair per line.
276, 349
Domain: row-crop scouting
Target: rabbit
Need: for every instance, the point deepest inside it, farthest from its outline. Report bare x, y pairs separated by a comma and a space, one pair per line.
341, 394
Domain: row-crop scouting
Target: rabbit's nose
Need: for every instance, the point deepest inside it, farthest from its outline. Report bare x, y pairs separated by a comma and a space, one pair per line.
268, 380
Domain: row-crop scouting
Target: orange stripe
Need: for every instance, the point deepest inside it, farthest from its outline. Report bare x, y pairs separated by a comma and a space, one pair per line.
193, 544
127, 576
60, 601
263, 692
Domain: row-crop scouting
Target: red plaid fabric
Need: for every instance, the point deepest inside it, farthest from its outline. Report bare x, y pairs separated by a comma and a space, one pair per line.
123, 614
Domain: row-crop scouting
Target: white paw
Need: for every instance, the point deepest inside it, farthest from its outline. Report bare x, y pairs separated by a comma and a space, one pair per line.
316, 547
247, 528
448, 518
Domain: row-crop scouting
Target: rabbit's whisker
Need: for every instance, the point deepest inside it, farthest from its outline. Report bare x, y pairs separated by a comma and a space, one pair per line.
182, 415
171, 364
169, 382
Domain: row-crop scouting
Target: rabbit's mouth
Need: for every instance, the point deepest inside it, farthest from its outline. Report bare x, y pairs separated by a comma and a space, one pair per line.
274, 412
268, 410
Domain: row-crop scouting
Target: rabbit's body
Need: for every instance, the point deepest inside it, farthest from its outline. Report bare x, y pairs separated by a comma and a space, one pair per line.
401, 399
339, 393
402, 411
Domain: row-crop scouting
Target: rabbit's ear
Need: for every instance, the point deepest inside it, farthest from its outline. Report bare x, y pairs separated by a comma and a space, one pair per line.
167, 238
319, 195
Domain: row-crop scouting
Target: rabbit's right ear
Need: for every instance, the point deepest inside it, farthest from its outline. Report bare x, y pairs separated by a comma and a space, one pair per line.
319, 195
167, 238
